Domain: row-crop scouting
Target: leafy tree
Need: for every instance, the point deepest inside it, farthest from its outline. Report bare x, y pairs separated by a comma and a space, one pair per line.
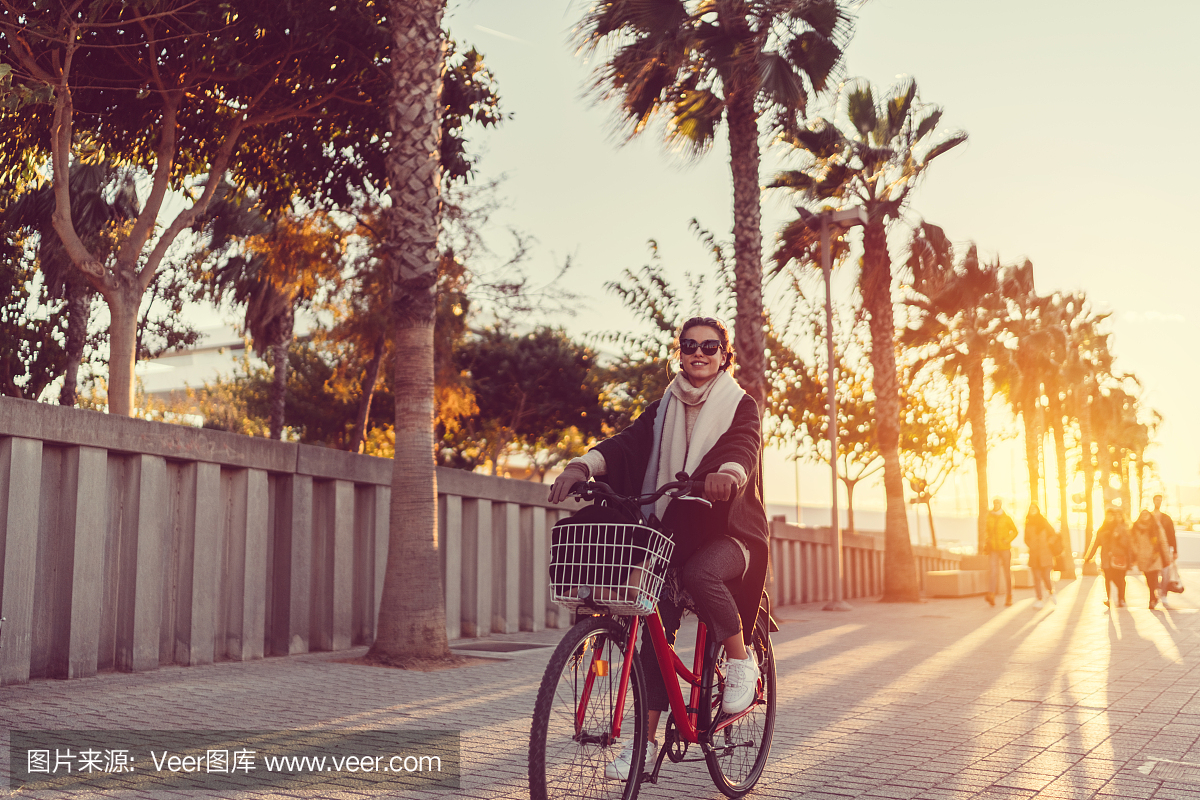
959, 313
874, 159
534, 390
98, 218
799, 407
697, 64
274, 95
930, 430
641, 371
272, 266
31, 352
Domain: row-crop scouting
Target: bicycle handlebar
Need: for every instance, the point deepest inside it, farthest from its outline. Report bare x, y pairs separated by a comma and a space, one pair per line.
684, 489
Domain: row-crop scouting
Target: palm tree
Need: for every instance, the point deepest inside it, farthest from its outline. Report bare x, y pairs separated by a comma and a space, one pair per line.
698, 63
412, 614
874, 160
272, 266
959, 312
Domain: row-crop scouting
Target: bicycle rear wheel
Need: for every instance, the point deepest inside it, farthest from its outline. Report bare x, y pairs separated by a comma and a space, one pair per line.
570, 743
739, 751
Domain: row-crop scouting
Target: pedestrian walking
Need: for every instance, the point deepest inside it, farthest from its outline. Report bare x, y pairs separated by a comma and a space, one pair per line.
999, 533
1112, 541
1044, 544
1150, 552
1171, 577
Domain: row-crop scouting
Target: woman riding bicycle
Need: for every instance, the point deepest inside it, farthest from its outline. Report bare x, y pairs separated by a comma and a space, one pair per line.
706, 426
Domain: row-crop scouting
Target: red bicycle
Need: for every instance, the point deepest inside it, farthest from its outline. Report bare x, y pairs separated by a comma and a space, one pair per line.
614, 574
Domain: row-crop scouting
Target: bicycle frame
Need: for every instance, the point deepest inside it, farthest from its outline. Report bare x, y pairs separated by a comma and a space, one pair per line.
689, 722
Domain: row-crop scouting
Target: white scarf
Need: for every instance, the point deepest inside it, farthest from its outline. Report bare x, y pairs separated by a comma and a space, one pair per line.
673, 451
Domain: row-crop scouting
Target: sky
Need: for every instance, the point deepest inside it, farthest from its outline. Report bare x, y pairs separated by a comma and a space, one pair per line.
1070, 107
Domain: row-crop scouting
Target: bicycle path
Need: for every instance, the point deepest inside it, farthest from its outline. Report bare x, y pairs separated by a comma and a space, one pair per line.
941, 700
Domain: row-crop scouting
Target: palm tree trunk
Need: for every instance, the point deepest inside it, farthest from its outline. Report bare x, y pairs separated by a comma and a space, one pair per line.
412, 614
749, 338
359, 436
1067, 560
899, 566
1032, 435
1126, 485
977, 415
1089, 478
79, 308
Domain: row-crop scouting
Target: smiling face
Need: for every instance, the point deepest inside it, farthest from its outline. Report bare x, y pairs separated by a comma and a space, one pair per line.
699, 368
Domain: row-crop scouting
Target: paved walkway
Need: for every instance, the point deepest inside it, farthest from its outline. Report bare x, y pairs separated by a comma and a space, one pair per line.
945, 699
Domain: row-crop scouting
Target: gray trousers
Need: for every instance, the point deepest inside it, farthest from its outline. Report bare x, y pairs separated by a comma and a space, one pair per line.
706, 576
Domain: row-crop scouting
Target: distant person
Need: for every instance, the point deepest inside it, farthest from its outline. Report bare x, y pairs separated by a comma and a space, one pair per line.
1043, 543
1112, 540
1171, 575
1150, 551
1167, 525
999, 532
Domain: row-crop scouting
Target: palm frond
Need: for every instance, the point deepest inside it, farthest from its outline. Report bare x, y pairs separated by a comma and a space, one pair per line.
823, 16
860, 108
697, 112
898, 107
778, 81
815, 55
938, 149
928, 123
793, 179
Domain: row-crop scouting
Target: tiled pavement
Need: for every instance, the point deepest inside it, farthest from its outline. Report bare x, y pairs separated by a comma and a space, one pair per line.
945, 699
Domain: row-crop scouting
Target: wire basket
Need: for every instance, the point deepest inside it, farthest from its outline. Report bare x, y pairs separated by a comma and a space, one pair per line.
616, 566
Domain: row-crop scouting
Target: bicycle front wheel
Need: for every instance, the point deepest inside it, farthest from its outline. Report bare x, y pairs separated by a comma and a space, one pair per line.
570, 743
739, 751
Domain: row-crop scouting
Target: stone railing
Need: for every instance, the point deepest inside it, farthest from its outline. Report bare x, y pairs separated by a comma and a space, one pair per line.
127, 544
802, 567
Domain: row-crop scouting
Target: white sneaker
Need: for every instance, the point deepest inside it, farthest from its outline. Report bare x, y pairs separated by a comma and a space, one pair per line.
1038, 604
741, 682
1054, 598
618, 770
1163, 599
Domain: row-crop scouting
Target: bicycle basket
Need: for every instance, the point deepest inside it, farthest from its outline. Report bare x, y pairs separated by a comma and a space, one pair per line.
620, 564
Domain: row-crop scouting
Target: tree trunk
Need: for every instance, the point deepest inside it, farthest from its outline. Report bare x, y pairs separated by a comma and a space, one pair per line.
1126, 485
1089, 474
122, 349
849, 504
899, 565
1104, 460
358, 438
412, 614
1032, 435
79, 307
749, 336
977, 415
279, 366
932, 532
1066, 564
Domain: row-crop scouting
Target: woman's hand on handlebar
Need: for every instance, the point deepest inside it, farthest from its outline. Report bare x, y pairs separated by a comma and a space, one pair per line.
573, 474
719, 486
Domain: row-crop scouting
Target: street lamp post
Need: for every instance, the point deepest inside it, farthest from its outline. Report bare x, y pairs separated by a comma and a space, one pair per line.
827, 221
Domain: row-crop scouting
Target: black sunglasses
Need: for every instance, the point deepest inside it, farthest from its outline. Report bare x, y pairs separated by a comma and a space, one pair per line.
709, 347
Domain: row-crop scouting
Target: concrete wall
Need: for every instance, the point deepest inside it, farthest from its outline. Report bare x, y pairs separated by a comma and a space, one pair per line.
127, 544
802, 564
